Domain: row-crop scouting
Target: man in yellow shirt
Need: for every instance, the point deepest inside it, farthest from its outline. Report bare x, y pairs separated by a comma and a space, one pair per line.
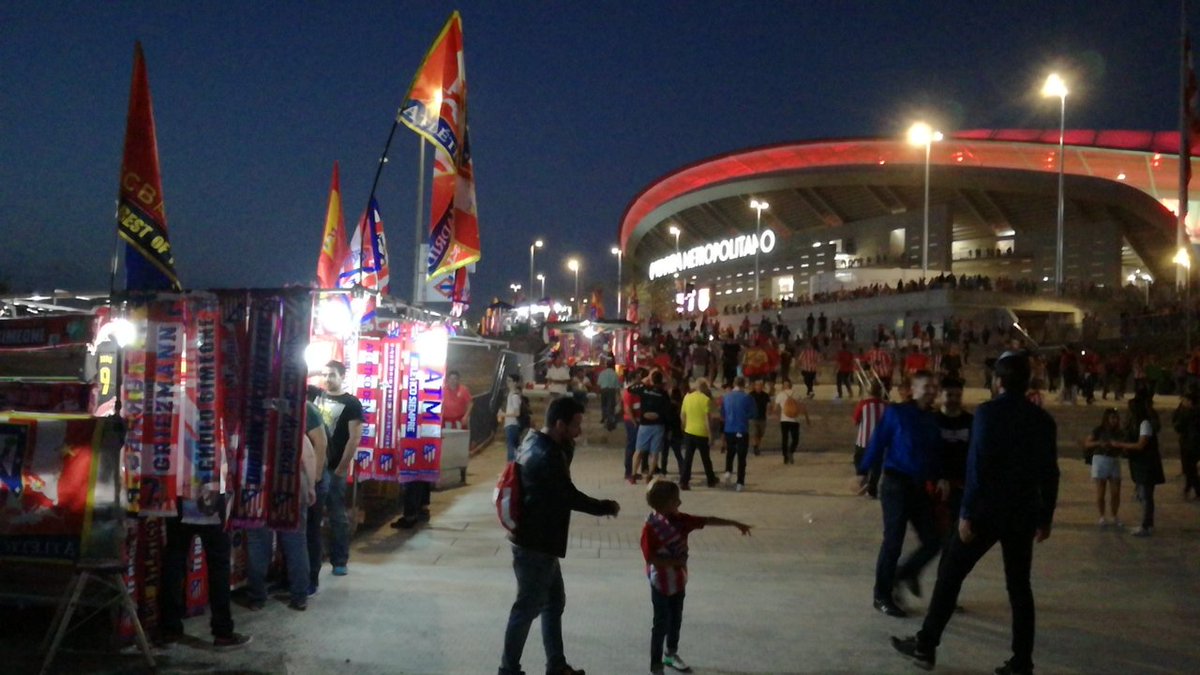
694, 419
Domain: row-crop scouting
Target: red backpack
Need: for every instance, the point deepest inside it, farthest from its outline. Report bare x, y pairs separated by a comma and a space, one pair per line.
507, 497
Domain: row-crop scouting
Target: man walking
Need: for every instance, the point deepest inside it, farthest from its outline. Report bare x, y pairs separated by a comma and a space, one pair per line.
1010, 496
694, 420
610, 391
343, 413
955, 425
845, 368
809, 359
547, 499
737, 408
907, 442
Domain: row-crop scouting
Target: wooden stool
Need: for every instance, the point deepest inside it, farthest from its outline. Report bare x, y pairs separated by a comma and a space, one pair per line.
108, 574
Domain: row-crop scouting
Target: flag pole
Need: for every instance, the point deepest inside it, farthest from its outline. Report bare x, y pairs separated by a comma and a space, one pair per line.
1183, 273
420, 228
362, 241
112, 271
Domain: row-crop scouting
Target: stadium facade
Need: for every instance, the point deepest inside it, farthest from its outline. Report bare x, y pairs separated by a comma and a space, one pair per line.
849, 213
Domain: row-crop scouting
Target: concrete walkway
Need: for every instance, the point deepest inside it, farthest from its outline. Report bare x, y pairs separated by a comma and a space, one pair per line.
793, 598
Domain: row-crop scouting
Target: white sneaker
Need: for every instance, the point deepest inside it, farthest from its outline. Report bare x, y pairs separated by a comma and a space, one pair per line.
728, 478
1103, 522
740, 487
676, 662
1141, 532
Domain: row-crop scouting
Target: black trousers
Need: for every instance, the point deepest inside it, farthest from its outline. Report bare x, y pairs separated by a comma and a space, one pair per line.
672, 443
1016, 543
903, 500
691, 444
843, 380
810, 378
215, 541
789, 432
737, 445
416, 499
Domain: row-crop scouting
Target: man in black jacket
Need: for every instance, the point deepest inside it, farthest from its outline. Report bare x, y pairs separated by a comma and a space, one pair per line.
547, 499
1010, 495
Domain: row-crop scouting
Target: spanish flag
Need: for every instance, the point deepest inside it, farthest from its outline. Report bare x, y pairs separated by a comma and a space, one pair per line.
333, 242
141, 218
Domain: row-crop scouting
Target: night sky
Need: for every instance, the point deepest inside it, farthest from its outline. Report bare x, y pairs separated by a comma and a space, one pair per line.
575, 107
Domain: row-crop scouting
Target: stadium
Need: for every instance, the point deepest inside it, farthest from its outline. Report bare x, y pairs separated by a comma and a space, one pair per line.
846, 214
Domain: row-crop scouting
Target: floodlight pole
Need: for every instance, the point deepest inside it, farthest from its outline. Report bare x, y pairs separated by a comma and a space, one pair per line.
1058, 245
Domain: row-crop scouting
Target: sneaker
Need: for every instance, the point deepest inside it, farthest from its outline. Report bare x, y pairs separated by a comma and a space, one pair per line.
1103, 522
403, 523
1142, 531
232, 641
167, 638
1010, 669
890, 608
684, 486
740, 487
313, 590
565, 670
631, 480
713, 482
676, 662
922, 657
340, 571
728, 478
298, 606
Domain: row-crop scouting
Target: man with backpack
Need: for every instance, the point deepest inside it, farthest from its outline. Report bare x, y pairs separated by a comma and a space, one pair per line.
539, 538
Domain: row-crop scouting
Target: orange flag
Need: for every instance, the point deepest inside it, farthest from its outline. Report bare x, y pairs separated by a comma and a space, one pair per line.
333, 242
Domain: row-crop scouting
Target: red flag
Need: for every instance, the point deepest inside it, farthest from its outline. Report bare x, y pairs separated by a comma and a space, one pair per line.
333, 241
141, 218
436, 108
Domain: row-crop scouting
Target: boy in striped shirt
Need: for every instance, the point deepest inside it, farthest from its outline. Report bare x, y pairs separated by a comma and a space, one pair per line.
866, 416
665, 548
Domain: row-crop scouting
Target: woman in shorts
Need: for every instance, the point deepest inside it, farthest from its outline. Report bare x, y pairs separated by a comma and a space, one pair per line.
1104, 446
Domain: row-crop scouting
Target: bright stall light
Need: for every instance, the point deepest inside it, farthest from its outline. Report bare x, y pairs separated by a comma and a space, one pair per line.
335, 316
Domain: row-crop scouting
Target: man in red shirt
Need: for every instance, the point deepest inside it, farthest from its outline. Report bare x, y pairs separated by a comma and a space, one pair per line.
915, 360
456, 403
845, 368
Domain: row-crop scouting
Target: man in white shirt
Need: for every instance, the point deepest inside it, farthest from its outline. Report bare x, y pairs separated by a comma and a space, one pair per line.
789, 408
557, 377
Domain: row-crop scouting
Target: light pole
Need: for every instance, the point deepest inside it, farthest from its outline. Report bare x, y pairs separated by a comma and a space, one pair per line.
759, 206
516, 289
542, 278
616, 250
1184, 261
1056, 87
573, 265
922, 134
532, 247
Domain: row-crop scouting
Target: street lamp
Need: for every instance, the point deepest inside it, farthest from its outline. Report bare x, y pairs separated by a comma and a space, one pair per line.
759, 206
675, 232
573, 265
616, 250
532, 247
922, 134
1184, 261
1055, 86
542, 278
516, 289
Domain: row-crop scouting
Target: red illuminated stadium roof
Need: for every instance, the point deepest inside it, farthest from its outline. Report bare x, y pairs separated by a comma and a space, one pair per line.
1146, 160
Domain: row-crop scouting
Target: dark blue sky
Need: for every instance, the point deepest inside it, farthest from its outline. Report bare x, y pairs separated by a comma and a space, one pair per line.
574, 107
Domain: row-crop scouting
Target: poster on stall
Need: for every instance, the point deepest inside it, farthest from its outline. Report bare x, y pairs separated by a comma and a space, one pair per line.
421, 433
367, 385
47, 479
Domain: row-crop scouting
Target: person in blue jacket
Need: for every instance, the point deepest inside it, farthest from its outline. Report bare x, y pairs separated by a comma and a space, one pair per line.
907, 445
1010, 495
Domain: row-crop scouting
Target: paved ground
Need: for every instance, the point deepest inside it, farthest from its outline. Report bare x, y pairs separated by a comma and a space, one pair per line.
794, 598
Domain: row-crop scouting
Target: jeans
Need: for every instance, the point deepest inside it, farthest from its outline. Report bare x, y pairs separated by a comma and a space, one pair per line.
540, 593
631, 430
668, 617
215, 541
789, 432
1145, 494
737, 445
339, 521
608, 408
692, 444
313, 537
903, 500
512, 438
674, 444
295, 554
958, 561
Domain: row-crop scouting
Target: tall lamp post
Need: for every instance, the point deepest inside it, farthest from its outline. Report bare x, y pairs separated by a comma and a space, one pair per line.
516, 289
921, 134
675, 232
759, 206
616, 250
1184, 261
542, 278
1055, 86
533, 247
573, 265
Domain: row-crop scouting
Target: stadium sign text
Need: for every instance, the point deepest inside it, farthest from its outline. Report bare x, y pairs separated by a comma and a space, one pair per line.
713, 252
